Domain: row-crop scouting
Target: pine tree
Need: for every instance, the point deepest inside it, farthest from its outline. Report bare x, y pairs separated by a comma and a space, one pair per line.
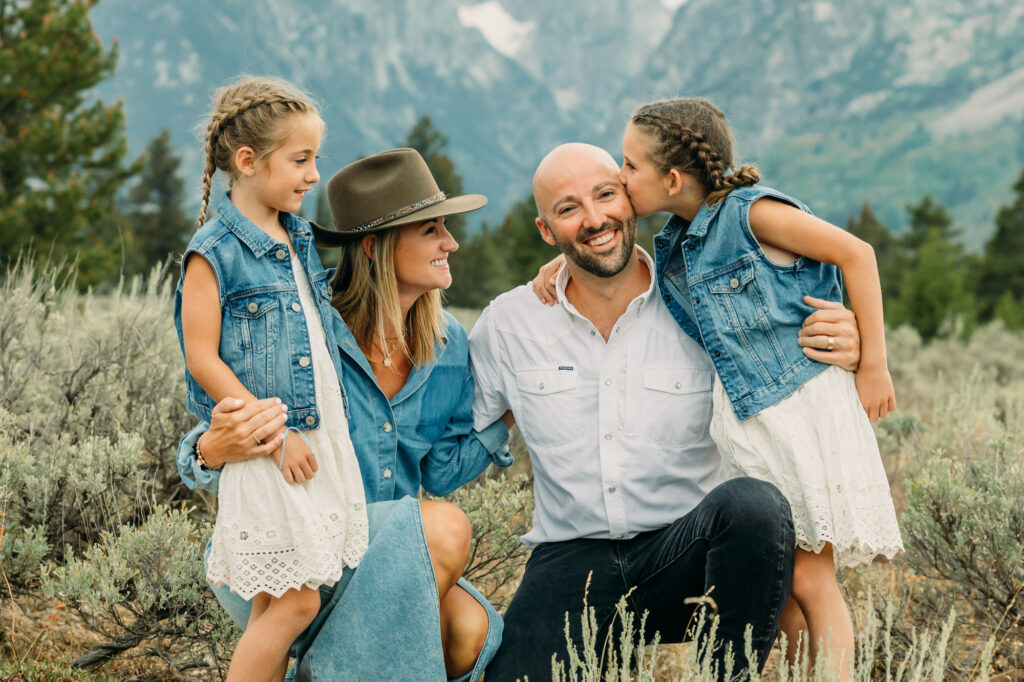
1000, 280
432, 145
159, 225
891, 262
521, 243
61, 156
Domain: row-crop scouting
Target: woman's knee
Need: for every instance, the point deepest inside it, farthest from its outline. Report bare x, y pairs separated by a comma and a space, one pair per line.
448, 532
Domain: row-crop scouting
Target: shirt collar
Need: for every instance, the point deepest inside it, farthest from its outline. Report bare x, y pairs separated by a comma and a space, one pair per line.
562, 281
258, 241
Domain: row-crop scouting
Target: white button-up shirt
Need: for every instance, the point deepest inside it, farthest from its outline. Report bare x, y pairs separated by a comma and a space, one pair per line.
618, 430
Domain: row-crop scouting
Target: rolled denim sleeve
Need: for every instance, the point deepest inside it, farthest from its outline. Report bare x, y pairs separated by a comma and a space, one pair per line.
461, 454
193, 475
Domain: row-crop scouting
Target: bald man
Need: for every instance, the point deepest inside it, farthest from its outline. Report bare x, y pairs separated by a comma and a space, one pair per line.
614, 402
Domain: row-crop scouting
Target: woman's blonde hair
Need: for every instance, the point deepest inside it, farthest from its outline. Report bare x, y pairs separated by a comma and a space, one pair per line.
692, 136
248, 113
366, 295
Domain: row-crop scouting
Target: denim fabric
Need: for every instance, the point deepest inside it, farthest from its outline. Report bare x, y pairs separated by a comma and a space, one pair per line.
263, 336
421, 437
356, 636
738, 543
743, 308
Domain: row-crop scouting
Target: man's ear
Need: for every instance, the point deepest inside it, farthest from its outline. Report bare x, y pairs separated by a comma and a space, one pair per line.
368, 243
245, 160
545, 232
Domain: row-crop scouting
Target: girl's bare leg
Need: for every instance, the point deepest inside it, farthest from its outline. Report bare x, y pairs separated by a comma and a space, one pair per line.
817, 592
794, 625
262, 652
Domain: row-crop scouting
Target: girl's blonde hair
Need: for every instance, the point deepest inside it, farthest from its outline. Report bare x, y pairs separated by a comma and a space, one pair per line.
692, 136
248, 113
366, 295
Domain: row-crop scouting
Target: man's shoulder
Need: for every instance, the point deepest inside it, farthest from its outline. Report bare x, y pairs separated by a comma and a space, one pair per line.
519, 310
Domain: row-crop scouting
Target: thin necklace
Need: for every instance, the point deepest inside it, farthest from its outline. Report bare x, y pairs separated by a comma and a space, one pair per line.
386, 353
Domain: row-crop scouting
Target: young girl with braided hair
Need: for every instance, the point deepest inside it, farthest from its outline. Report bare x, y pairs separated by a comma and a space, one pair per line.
734, 263
253, 314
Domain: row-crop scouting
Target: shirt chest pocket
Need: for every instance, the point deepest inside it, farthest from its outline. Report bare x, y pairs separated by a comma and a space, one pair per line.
548, 410
254, 320
675, 405
249, 348
738, 298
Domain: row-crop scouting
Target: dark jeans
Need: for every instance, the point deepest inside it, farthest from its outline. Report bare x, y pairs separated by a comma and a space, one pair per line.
739, 540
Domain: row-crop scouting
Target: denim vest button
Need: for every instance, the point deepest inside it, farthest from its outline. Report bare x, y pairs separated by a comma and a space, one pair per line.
280, 255
387, 473
252, 307
696, 299
387, 427
296, 307
734, 283
303, 361
330, 290
718, 354
310, 420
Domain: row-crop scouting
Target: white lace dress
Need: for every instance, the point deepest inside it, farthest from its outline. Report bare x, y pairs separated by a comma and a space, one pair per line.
272, 536
817, 447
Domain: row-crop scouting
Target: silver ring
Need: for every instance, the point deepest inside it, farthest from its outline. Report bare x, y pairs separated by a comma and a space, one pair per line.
831, 343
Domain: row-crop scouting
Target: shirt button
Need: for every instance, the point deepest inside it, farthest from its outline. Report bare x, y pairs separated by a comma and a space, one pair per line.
303, 361
618, 329
718, 354
281, 254
734, 283
607, 436
387, 427
666, 297
679, 384
611, 488
253, 308
310, 420
296, 307
540, 386
593, 333
607, 382
387, 473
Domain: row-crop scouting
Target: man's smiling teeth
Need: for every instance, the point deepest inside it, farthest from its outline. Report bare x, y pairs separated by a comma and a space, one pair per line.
603, 239
439, 262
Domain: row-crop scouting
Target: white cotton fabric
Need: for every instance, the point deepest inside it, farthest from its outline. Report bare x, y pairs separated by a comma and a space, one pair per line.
817, 447
272, 536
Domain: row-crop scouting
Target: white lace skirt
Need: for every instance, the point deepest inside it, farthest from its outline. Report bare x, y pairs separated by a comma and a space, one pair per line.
818, 448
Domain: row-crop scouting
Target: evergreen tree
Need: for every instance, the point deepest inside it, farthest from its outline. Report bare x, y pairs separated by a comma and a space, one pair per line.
519, 240
1000, 281
61, 157
159, 225
480, 270
432, 145
932, 285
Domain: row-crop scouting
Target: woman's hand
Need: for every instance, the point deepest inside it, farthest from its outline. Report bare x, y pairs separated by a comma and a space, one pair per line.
299, 463
544, 282
831, 321
239, 431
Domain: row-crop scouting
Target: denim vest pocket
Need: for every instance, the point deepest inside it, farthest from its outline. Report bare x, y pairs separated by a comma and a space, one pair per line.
546, 392
738, 298
254, 320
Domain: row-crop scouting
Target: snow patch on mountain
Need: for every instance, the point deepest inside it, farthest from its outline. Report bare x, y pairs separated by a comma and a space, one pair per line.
1001, 99
499, 28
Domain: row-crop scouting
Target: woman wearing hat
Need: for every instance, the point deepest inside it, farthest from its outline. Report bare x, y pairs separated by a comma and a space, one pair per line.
405, 613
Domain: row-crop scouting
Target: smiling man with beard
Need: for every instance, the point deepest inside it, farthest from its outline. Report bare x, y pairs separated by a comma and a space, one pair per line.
614, 402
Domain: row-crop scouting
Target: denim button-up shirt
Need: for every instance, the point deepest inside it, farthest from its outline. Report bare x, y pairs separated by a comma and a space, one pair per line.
263, 336
745, 309
421, 437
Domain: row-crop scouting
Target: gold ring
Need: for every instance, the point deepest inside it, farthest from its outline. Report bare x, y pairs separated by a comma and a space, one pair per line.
258, 441
831, 343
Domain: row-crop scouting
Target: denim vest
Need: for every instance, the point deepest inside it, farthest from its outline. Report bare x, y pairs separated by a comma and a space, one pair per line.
744, 309
263, 334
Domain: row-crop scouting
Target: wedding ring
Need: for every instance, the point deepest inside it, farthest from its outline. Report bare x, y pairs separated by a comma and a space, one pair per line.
258, 441
831, 343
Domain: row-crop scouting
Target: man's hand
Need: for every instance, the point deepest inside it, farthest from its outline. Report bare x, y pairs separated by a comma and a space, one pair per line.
299, 462
239, 431
544, 283
834, 321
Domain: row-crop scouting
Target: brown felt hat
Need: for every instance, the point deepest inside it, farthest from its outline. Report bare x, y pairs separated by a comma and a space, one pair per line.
386, 190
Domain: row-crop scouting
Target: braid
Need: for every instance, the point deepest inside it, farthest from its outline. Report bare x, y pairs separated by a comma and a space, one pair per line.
246, 114
693, 137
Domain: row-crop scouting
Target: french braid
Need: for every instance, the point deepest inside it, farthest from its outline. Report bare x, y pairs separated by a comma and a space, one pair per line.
247, 113
692, 136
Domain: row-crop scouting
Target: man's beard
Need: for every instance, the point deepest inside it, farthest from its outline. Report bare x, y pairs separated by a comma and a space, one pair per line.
603, 264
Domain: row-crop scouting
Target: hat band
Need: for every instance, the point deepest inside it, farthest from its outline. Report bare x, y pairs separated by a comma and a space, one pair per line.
404, 211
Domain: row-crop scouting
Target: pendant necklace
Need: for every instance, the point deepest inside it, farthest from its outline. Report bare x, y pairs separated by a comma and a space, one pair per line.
387, 353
